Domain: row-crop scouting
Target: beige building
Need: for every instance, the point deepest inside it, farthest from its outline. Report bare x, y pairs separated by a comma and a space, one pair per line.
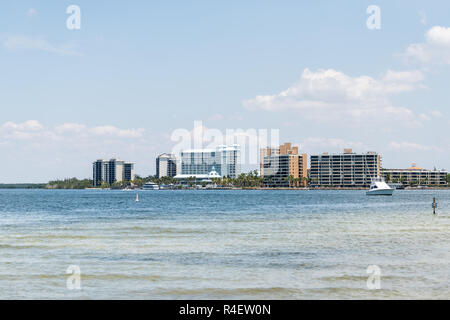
283, 166
415, 175
166, 165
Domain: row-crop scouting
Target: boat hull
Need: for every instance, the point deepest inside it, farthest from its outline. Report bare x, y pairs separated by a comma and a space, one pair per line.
380, 192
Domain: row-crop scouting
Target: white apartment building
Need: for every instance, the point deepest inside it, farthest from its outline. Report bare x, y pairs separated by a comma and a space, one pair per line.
224, 160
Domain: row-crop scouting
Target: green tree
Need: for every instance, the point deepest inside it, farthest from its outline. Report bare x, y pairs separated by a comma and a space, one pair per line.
388, 177
290, 179
69, 183
105, 185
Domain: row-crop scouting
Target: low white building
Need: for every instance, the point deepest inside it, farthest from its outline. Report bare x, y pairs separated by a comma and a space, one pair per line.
198, 178
225, 160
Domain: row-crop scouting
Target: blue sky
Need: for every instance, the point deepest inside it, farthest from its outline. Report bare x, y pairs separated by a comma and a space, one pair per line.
136, 71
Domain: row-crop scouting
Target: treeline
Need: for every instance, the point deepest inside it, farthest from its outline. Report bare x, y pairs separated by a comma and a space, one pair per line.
244, 180
22, 186
71, 183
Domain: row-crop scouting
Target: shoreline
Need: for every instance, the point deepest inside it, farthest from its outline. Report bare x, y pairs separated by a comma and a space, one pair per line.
201, 189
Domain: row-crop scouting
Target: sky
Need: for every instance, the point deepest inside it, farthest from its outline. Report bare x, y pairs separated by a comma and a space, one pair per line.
136, 73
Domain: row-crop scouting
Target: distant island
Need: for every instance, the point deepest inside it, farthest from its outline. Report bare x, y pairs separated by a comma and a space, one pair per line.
22, 185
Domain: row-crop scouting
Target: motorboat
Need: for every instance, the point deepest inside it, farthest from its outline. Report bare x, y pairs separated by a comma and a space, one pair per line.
150, 186
379, 187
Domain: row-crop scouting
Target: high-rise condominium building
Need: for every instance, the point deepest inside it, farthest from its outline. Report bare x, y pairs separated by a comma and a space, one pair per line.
416, 176
225, 160
283, 166
113, 170
166, 165
344, 170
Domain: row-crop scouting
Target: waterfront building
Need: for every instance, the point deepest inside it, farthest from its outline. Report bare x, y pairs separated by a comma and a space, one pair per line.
416, 176
111, 171
344, 170
197, 179
224, 160
166, 165
283, 166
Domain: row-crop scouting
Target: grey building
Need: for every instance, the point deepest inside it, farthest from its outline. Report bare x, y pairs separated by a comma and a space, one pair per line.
345, 170
111, 171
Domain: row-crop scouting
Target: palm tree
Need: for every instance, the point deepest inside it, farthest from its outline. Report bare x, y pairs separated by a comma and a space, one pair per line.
105, 185
291, 181
388, 177
305, 181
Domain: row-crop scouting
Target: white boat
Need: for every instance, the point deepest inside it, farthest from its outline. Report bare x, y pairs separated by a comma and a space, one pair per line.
150, 186
379, 187
137, 198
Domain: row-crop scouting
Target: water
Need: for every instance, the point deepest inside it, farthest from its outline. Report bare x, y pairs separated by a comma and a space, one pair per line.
223, 244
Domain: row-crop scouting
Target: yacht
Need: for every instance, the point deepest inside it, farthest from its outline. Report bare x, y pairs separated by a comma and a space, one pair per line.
150, 186
379, 187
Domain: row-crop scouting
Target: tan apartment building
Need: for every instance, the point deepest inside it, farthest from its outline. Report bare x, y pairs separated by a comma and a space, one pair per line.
283, 166
415, 175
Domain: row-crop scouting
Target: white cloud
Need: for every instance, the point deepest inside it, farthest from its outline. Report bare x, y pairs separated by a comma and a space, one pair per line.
435, 49
33, 129
112, 131
412, 146
30, 125
20, 42
68, 149
70, 127
330, 95
437, 114
439, 36
320, 144
402, 81
28, 130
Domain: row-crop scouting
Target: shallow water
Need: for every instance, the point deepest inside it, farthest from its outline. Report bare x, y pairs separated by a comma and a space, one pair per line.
223, 244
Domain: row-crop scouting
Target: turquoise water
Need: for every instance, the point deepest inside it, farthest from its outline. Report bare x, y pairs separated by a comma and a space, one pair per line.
223, 244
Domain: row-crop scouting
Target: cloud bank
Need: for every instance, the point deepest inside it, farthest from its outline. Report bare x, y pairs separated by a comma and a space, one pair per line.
22, 42
435, 49
330, 95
